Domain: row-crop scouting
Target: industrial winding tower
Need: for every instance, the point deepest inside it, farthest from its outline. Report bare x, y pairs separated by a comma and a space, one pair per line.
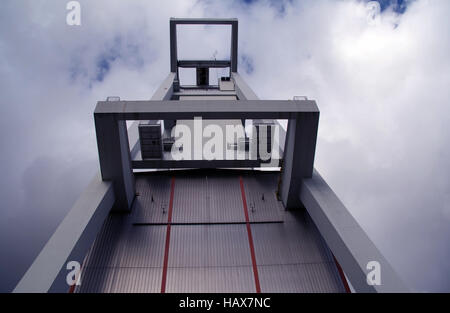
164, 216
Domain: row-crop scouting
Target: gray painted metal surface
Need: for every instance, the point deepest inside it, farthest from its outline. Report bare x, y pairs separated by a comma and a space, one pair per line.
152, 201
116, 164
203, 93
300, 278
168, 163
345, 237
133, 139
96, 280
124, 258
144, 247
244, 92
150, 138
165, 92
209, 251
115, 159
298, 157
228, 279
209, 246
110, 243
225, 85
208, 257
173, 38
224, 197
197, 151
207, 109
209, 97
207, 199
204, 63
70, 241
137, 280
263, 205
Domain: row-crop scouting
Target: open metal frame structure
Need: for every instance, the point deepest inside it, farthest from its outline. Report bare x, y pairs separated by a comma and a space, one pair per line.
175, 63
113, 189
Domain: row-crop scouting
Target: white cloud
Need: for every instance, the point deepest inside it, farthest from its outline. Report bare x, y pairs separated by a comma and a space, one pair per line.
382, 89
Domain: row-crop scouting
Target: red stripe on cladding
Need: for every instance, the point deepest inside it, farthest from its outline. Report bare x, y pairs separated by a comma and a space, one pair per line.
250, 238
341, 274
166, 248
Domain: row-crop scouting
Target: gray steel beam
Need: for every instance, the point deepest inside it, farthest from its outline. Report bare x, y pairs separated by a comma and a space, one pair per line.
193, 21
115, 159
349, 243
71, 240
204, 63
204, 21
167, 164
165, 92
207, 109
173, 47
282, 138
299, 148
244, 92
298, 157
234, 46
203, 93
133, 139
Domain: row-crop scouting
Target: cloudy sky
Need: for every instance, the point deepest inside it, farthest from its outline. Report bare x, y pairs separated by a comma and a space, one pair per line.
380, 74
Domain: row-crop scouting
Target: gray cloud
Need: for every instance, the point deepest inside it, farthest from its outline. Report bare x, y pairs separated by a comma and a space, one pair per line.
381, 85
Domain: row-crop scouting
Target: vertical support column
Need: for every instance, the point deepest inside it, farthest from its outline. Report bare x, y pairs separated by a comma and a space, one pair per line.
234, 46
165, 92
173, 46
115, 159
299, 153
243, 91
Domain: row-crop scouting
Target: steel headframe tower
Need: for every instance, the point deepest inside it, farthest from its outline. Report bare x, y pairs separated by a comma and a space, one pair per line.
146, 144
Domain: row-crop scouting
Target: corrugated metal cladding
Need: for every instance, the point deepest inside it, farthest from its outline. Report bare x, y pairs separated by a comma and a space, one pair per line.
211, 279
262, 202
209, 249
152, 203
209, 245
207, 199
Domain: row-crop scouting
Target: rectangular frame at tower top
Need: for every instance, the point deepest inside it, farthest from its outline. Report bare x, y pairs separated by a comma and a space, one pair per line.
193, 21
